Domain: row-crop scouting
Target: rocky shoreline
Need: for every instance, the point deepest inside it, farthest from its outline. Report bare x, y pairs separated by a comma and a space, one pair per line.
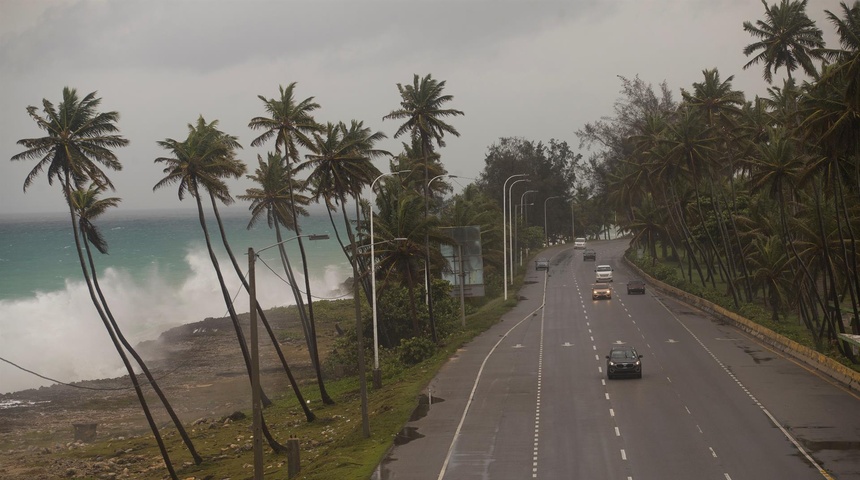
199, 367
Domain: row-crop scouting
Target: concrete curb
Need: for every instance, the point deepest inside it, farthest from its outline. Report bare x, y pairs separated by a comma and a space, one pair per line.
812, 359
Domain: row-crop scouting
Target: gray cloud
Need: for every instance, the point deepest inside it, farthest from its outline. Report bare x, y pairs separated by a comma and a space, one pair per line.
537, 69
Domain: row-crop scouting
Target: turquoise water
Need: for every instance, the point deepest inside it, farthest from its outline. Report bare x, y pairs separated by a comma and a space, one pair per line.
157, 275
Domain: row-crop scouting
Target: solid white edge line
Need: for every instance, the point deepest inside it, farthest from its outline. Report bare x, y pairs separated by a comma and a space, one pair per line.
478, 379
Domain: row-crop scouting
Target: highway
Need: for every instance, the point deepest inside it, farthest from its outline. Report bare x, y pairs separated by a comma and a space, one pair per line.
530, 398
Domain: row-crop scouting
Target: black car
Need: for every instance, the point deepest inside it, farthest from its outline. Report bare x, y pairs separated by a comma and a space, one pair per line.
623, 361
636, 286
589, 254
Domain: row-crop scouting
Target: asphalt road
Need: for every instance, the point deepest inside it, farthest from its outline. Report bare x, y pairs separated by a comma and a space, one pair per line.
530, 398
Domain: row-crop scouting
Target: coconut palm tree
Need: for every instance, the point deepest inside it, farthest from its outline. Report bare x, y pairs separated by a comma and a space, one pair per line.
199, 164
770, 270
847, 58
787, 39
89, 207
341, 167
79, 140
720, 105
291, 123
421, 107
399, 216
271, 201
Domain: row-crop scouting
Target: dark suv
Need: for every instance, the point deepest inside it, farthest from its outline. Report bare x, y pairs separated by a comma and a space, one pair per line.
623, 361
589, 254
635, 286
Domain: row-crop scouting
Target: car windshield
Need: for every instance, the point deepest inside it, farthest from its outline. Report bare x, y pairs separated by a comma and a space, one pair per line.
623, 355
603, 268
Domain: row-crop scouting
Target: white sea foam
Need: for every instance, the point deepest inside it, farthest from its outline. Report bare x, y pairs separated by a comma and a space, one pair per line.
59, 334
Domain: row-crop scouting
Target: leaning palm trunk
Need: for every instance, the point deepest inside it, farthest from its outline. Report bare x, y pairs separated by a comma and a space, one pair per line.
364, 284
234, 318
162, 448
849, 257
312, 337
308, 414
294, 287
176, 421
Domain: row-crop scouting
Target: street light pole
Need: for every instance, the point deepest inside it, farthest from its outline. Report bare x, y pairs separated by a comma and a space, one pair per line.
525, 216
427, 285
505, 230
377, 375
511, 231
256, 406
545, 224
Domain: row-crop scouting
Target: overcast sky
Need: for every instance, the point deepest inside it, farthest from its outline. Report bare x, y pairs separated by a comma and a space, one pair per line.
534, 69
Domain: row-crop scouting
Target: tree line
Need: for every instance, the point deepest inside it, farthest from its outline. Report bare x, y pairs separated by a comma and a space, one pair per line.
761, 195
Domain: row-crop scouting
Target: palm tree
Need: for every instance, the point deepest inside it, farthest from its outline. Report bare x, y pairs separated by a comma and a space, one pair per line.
290, 123
787, 38
721, 106
272, 201
421, 108
201, 161
89, 206
399, 216
770, 270
341, 167
847, 57
79, 139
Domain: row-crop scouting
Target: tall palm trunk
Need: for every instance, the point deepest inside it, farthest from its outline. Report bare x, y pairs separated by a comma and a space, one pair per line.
788, 241
138, 391
176, 421
364, 283
849, 255
312, 338
243, 345
428, 280
416, 327
303, 316
359, 341
274, 339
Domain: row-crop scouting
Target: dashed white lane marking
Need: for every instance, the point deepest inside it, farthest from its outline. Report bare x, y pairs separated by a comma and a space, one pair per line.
539, 382
751, 396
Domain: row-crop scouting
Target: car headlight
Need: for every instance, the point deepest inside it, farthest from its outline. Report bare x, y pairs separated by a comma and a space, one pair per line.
611, 364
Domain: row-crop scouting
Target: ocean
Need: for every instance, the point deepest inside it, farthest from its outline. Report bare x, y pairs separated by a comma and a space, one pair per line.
157, 275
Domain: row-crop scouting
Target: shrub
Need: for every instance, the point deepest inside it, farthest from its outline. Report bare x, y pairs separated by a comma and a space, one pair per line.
415, 350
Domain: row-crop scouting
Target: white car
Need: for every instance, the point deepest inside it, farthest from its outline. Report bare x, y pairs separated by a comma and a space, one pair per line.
603, 273
579, 243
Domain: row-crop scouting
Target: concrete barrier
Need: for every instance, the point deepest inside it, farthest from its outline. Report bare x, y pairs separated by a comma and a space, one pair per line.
809, 357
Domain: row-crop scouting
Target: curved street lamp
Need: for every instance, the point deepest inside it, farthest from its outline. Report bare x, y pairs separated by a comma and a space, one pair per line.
505, 229
377, 375
522, 212
511, 231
